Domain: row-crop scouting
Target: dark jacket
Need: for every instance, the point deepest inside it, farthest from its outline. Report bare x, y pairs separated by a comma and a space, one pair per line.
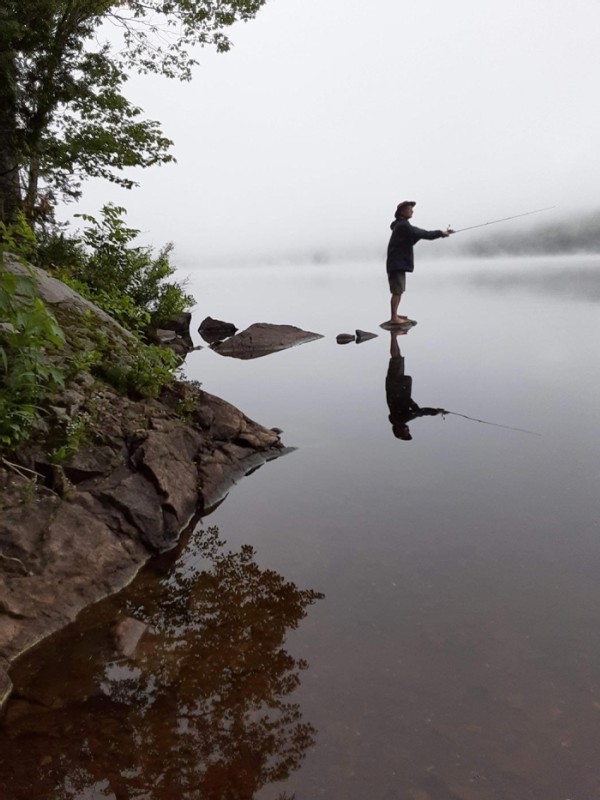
400, 249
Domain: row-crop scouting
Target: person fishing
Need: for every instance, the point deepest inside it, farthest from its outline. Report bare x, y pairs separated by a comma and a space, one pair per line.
400, 256
398, 391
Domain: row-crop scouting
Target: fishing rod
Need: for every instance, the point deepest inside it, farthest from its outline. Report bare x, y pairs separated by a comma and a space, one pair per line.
505, 219
495, 424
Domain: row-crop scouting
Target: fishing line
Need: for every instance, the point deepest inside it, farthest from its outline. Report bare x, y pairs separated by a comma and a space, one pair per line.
495, 424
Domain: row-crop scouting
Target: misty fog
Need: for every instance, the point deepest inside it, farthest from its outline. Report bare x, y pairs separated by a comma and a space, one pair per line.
299, 143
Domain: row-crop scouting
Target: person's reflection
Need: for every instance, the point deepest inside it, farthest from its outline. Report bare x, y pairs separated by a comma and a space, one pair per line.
398, 390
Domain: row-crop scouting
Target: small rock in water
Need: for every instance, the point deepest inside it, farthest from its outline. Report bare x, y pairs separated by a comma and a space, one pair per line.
364, 336
127, 634
400, 326
215, 330
344, 338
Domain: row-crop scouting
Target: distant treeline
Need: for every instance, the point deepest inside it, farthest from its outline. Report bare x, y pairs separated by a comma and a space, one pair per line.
573, 235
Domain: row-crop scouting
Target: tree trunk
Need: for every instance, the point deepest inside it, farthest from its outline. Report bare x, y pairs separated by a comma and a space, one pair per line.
10, 189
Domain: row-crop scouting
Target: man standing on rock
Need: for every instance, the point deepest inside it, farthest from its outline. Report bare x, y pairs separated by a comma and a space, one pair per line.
400, 258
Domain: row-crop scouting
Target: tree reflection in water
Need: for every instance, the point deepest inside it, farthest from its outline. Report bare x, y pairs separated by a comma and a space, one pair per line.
200, 713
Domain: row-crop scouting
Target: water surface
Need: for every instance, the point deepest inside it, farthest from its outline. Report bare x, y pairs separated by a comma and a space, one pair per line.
418, 619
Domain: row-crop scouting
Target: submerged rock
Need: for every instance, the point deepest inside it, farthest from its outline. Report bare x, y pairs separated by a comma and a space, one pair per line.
262, 339
127, 634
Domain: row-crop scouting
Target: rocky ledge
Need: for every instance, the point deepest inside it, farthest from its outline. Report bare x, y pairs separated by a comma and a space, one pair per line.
75, 529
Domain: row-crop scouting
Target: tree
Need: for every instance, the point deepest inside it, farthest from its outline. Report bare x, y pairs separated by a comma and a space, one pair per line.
204, 710
63, 114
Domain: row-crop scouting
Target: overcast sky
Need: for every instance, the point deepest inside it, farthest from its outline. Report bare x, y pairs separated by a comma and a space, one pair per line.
327, 113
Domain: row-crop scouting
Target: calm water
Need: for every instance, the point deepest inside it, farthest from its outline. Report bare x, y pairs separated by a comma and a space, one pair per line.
417, 620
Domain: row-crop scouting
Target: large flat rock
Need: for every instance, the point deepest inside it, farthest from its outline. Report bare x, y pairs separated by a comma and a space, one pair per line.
262, 339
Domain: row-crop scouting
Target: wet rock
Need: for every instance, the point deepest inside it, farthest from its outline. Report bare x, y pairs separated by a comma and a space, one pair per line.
72, 559
174, 334
344, 338
400, 326
215, 330
364, 336
262, 339
179, 324
169, 460
127, 634
229, 424
164, 336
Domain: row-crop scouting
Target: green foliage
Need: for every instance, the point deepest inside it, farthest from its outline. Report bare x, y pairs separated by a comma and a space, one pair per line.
146, 373
59, 252
28, 335
74, 432
64, 116
127, 281
18, 237
184, 398
128, 269
83, 361
122, 308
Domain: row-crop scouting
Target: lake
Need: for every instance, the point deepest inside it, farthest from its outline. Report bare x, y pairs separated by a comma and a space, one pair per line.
396, 619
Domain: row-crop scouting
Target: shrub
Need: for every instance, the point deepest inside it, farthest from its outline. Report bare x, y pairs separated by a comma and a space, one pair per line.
114, 267
148, 370
18, 238
128, 282
28, 335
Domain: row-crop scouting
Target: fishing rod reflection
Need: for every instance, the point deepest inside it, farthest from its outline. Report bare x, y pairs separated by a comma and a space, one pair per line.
398, 392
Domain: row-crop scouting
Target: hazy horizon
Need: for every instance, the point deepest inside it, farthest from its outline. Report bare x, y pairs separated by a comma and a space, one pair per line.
326, 114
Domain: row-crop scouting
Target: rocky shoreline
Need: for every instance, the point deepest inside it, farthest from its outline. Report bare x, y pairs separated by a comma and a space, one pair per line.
76, 531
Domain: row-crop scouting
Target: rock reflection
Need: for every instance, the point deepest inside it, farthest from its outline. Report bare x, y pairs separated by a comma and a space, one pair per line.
201, 710
398, 392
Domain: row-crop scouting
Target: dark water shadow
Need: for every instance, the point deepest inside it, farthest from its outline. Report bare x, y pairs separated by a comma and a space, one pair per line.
202, 707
